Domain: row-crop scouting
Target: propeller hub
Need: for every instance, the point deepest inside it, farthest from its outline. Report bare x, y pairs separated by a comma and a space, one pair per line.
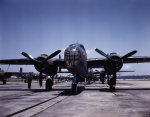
114, 64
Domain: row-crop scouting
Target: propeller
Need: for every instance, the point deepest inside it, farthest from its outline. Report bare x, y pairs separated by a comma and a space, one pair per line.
102, 53
29, 57
41, 64
53, 54
108, 57
34, 60
114, 62
129, 54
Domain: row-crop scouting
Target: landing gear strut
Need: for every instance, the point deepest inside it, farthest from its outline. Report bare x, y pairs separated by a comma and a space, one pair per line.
102, 77
102, 80
113, 82
74, 85
49, 84
40, 80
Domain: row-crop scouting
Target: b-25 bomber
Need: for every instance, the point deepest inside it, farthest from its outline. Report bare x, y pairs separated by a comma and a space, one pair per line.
76, 62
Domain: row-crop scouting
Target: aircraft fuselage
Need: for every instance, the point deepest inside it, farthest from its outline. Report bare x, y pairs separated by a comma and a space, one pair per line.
76, 59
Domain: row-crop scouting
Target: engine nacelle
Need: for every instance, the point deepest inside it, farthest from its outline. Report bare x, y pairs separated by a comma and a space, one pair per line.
46, 66
114, 64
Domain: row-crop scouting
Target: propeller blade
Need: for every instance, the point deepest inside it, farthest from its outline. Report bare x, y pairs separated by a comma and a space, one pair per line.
129, 54
29, 56
102, 53
53, 54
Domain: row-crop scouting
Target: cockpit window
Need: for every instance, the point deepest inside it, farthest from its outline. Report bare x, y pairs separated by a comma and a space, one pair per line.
73, 45
82, 47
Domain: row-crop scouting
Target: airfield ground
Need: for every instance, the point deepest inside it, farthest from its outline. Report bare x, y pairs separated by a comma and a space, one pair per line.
131, 99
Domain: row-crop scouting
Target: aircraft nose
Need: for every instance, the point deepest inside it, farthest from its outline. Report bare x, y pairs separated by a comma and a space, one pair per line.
72, 58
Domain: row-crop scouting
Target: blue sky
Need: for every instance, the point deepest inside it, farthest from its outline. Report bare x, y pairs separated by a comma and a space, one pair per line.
43, 26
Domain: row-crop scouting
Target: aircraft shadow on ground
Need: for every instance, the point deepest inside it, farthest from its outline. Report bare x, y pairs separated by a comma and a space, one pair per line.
64, 91
69, 91
119, 89
38, 90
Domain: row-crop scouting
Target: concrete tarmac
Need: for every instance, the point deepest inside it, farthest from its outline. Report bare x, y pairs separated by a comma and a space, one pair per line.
131, 99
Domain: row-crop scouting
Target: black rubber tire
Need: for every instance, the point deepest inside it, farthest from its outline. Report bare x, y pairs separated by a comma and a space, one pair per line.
102, 80
4, 81
112, 84
112, 88
74, 88
48, 84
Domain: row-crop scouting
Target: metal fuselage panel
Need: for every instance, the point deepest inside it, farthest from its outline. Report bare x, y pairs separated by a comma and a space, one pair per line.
76, 59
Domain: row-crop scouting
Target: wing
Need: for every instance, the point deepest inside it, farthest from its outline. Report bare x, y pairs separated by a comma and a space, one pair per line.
137, 59
100, 62
96, 63
60, 63
57, 62
17, 62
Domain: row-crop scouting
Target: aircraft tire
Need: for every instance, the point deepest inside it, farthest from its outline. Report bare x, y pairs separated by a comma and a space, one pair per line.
48, 84
102, 80
112, 88
112, 84
4, 81
74, 88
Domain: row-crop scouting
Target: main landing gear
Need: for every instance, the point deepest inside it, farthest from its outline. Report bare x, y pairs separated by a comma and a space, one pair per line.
4, 81
49, 84
74, 88
102, 77
74, 85
40, 80
112, 82
102, 80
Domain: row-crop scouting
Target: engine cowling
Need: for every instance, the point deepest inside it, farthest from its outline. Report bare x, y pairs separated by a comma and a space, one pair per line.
114, 64
46, 66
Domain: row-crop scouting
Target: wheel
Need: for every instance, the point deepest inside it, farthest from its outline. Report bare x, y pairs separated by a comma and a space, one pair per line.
74, 88
102, 80
4, 81
89, 82
112, 84
112, 87
48, 84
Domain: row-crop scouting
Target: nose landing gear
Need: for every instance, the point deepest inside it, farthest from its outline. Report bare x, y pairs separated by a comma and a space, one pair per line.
74, 85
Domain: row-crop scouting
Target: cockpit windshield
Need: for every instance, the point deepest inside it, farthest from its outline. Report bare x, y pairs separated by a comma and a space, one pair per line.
76, 44
82, 46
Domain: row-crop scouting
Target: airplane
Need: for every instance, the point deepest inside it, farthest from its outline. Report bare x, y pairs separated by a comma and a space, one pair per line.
102, 75
4, 75
75, 60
